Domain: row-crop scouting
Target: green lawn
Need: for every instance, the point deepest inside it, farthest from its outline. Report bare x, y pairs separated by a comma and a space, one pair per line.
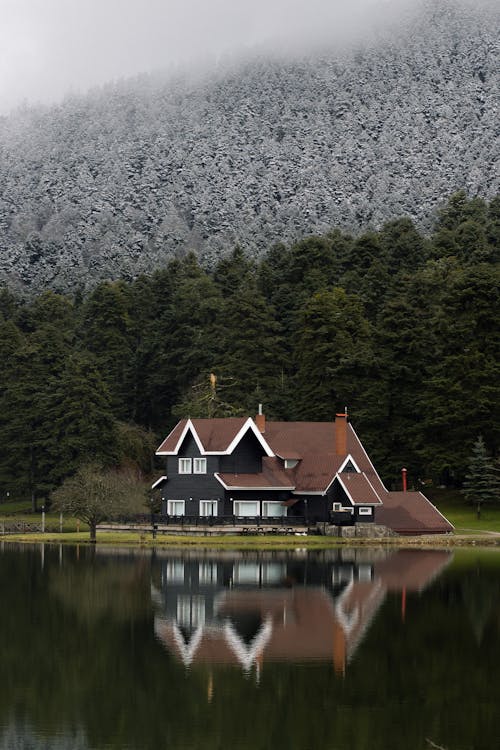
452, 504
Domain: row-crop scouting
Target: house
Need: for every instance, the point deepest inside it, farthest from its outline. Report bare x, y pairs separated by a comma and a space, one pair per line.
261, 469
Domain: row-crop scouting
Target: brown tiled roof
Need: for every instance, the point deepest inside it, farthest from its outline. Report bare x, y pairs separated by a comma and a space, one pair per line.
272, 475
214, 434
360, 489
411, 513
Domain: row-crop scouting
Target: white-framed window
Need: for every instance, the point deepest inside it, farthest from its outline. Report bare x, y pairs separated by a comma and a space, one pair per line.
176, 507
208, 507
199, 465
273, 509
175, 571
185, 465
337, 507
207, 572
290, 463
191, 611
365, 511
246, 572
246, 508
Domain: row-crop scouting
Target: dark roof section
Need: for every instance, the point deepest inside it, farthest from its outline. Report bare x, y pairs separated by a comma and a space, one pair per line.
411, 513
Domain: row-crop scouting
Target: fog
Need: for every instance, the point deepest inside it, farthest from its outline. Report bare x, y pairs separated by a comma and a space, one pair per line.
51, 47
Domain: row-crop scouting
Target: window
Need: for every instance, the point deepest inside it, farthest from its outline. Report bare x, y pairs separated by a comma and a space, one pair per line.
176, 507
185, 466
273, 509
365, 511
207, 572
199, 466
191, 611
290, 463
337, 507
246, 508
175, 571
208, 507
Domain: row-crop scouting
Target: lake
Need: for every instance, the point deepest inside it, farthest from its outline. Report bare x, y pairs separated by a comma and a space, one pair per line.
347, 649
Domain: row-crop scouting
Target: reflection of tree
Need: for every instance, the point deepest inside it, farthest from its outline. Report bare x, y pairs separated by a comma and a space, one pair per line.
17, 736
479, 598
104, 589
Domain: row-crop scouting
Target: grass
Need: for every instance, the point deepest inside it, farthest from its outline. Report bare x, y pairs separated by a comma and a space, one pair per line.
464, 518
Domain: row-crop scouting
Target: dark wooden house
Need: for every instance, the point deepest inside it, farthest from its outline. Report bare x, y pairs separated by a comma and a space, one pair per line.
260, 469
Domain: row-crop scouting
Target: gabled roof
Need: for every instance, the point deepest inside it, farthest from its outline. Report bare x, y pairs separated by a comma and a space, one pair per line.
272, 477
358, 488
213, 436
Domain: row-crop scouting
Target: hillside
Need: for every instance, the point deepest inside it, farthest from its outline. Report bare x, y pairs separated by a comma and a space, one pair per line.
119, 180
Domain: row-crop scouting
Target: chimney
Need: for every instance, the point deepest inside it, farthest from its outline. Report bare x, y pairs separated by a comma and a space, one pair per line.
260, 420
403, 475
341, 434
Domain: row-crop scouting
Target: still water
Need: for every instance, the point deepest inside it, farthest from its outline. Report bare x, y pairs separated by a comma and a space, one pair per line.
333, 650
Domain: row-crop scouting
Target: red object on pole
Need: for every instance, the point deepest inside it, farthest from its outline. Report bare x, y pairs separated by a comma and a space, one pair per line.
403, 474
403, 604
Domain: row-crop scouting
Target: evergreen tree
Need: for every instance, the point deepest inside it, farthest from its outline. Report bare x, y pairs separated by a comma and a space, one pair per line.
482, 483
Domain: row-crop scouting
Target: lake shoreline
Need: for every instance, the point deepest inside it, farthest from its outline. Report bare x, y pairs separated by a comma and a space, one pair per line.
141, 540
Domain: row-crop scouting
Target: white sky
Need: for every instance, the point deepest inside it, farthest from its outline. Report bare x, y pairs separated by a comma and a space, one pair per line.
51, 47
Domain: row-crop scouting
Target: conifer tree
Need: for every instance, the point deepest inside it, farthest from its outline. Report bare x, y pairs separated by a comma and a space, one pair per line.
482, 483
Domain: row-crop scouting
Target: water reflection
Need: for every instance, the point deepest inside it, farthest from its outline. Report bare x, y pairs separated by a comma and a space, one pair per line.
249, 610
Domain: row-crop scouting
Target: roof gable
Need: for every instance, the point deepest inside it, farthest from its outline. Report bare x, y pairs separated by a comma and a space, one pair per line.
212, 436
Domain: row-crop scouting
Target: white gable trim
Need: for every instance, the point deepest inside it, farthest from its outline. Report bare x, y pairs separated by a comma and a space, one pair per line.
256, 488
248, 425
344, 464
158, 481
354, 502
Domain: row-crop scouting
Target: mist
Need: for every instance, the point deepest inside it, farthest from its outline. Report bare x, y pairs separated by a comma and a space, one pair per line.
49, 48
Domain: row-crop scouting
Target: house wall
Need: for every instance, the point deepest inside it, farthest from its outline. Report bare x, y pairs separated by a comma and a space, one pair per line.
192, 487
246, 457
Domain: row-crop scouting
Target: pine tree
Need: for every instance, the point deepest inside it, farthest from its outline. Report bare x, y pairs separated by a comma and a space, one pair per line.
482, 483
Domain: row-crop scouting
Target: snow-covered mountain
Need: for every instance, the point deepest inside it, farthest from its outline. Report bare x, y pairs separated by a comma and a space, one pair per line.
119, 180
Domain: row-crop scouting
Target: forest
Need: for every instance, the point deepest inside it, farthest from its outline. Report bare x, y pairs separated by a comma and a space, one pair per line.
400, 327
251, 153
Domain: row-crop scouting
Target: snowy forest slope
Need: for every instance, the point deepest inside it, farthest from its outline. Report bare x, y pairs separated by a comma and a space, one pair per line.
115, 182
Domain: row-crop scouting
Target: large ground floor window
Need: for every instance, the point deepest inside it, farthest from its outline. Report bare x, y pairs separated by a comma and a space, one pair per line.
246, 508
208, 507
273, 509
176, 507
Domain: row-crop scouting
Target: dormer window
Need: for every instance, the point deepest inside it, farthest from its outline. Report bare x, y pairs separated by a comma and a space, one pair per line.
291, 463
185, 466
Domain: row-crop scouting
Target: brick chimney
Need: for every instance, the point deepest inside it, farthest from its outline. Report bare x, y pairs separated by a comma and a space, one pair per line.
341, 434
404, 474
260, 420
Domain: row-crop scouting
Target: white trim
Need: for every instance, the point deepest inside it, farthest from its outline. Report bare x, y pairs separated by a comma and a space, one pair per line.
436, 509
203, 461
365, 510
373, 488
255, 488
246, 502
367, 458
248, 425
344, 463
173, 500
305, 492
209, 515
188, 462
158, 481
350, 496
274, 503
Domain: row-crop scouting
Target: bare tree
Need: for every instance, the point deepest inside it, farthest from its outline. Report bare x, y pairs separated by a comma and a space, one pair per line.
95, 494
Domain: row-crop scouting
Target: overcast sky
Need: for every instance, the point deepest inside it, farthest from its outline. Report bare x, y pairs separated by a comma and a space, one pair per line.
51, 47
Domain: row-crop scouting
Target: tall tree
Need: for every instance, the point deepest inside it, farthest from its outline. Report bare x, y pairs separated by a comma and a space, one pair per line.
482, 483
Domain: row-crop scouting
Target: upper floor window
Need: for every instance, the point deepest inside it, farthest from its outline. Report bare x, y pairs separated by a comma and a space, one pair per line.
185, 465
199, 466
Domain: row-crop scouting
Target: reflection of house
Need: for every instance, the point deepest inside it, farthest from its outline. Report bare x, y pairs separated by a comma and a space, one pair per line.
318, 471
252, 611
